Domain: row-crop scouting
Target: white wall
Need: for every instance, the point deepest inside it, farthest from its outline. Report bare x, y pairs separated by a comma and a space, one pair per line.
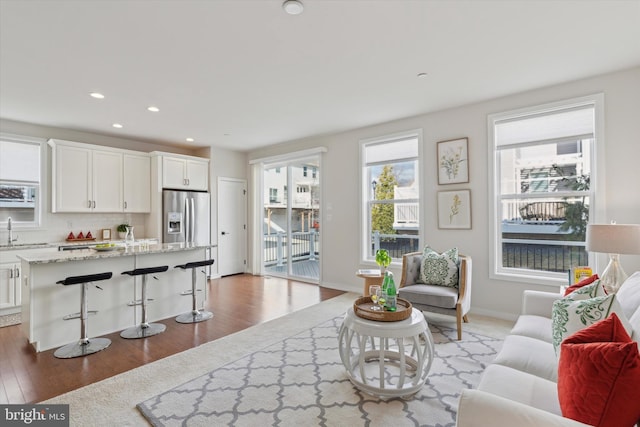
341, 207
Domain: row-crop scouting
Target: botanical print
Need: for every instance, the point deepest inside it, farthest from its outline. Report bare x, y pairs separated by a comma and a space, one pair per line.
455, 208
450, 162
453, 163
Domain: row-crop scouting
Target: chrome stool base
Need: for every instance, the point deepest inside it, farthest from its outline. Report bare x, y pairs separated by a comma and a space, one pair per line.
82, 348
143, 331
194, 317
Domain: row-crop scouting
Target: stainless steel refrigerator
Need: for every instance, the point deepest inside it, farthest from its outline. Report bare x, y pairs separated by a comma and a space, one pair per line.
186, 217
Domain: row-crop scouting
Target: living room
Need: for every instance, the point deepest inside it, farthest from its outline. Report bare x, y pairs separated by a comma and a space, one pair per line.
341, 163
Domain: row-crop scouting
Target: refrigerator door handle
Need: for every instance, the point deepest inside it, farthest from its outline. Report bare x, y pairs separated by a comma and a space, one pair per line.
192, 222
186, 220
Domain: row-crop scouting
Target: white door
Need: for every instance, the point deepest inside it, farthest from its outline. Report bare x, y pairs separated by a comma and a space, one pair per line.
232, 226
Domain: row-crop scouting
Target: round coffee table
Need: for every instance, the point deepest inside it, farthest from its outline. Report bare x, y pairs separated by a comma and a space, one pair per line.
387, 359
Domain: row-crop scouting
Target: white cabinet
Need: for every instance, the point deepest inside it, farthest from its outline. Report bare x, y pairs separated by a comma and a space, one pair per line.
72, 179
107, 180
89, 178
9, 285
185, 174
137, 183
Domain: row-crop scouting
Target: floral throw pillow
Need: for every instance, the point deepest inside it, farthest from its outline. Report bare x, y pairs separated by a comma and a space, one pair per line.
570, 315
439, 269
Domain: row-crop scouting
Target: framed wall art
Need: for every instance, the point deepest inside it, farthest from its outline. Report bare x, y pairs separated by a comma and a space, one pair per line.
454, 209
106, 234
453, 161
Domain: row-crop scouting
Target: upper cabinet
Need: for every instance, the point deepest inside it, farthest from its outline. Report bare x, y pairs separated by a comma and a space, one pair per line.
182, 173
137, 183
89, 178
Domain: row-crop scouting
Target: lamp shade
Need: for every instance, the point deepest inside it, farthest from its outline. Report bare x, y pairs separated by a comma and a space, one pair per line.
613, 238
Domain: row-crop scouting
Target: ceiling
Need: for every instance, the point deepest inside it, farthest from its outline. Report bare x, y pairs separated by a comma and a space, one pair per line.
242, 74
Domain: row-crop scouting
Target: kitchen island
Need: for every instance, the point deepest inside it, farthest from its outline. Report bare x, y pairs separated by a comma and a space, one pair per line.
45, 303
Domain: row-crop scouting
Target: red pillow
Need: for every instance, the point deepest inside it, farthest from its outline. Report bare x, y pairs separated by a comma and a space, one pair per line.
583, 282
599, 376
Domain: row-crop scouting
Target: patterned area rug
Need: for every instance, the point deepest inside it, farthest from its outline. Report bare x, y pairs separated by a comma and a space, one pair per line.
301, 381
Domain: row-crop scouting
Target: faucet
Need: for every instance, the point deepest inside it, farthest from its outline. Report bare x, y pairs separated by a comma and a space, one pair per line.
10, 230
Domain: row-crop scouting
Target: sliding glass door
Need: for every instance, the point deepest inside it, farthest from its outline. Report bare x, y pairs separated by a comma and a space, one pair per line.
291, 219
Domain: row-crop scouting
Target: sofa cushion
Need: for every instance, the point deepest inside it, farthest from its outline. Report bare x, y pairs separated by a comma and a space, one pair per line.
629, 295
439, 269
437, 296
537, 327
529, 355
569, 315
580, 284
599, 374
521, 387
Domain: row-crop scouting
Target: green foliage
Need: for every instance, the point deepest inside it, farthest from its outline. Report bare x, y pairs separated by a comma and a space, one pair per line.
382, 214
576, 213
122, 228
382, 258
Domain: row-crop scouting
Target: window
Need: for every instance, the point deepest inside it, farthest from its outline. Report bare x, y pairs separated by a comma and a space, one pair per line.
391, 195
543, 169
20, 181
273, 195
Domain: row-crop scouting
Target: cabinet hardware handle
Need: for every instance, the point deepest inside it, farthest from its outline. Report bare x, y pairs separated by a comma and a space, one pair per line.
89, 204
94, 204
17, 272
11, 274
125, 205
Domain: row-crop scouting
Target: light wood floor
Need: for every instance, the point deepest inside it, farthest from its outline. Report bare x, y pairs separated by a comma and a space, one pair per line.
237, 302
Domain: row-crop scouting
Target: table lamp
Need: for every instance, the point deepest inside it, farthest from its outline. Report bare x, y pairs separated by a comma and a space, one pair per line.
614, 239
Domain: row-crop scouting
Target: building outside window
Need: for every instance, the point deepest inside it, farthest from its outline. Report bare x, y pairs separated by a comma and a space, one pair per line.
20, 181
542, 188
390, 183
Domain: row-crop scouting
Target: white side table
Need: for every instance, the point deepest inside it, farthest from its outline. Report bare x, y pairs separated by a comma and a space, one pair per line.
387, 359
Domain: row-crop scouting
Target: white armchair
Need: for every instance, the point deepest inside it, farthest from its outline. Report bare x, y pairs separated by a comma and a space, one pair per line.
437, 299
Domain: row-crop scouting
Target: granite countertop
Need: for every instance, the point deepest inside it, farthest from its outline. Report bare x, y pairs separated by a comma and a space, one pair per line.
117, 251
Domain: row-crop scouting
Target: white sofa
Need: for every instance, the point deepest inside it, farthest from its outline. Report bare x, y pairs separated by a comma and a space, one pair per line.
520, 387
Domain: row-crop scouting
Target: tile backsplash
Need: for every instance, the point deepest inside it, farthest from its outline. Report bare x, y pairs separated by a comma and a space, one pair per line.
56, 227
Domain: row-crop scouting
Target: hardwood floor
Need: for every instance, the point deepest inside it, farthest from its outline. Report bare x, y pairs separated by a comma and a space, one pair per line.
237, 302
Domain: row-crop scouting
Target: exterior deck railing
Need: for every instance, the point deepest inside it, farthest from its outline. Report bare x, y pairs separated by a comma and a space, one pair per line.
304, 246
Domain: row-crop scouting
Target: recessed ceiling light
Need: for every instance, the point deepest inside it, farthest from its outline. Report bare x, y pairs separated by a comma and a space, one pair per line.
190, 139
117, 125
153, 109
96, 95
293, 7
421, 75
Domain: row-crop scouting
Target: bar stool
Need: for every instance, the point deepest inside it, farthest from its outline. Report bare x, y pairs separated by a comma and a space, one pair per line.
85, 346
194, 315
144, 329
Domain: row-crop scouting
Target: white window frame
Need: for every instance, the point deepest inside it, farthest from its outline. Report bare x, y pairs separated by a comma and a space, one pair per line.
596, 209
365, 227
40, 185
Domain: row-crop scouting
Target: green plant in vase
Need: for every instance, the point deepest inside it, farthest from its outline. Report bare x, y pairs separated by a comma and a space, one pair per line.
122, 230
383, 259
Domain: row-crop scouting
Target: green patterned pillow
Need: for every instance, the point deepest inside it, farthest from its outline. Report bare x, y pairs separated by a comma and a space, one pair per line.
570, 315
590, 291
439, 269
